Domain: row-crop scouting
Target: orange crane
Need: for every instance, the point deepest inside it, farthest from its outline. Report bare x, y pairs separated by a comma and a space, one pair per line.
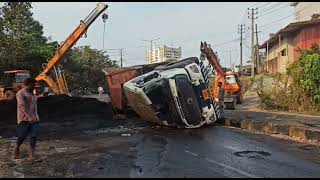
230, 81
13, 80
60, 86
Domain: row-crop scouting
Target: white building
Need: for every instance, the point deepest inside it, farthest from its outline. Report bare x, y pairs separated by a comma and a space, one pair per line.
303, 11
163, 53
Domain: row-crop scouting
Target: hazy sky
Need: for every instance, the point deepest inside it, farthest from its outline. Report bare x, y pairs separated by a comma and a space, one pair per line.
182, 24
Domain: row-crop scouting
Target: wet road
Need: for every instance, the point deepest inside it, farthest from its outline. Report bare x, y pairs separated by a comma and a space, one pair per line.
140, 151
221, 152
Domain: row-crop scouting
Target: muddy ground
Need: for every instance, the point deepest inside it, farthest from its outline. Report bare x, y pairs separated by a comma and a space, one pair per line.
130, 148
70, 128
70, 153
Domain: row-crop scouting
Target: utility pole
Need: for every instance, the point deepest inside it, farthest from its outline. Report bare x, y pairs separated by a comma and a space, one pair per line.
257, 51
151, 43
242, 30
121, 54
252, 16
121, 57
104, 18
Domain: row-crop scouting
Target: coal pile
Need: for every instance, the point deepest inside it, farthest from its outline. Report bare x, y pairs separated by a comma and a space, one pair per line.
53, 107
58, 111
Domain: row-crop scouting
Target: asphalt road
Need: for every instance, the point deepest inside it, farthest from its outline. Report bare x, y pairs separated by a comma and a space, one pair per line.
141, 151
222, 152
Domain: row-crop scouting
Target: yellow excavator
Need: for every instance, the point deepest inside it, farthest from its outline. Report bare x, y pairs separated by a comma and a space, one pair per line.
8, 89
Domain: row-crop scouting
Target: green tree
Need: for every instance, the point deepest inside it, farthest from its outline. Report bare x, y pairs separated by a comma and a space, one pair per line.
22, 43
83, 67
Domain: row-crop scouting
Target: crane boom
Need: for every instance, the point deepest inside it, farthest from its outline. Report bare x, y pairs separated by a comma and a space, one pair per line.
212, 57
67, 45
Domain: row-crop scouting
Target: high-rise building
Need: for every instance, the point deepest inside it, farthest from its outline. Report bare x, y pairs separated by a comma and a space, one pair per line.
163, 53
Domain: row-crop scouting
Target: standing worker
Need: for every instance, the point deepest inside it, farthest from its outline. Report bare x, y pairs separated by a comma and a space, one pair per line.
236, 70
27, 117
100, 91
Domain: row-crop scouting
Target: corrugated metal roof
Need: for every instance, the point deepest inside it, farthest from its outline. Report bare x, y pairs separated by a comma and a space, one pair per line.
292, 27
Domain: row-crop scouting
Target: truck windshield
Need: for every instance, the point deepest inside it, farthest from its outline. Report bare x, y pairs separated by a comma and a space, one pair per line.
21, 77
231, 79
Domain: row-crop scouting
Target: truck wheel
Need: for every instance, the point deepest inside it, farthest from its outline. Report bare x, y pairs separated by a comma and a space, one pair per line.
9, 95
231, 105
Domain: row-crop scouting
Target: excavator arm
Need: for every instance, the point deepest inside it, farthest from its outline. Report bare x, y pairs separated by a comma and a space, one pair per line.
233, 90
212, 57
67, 45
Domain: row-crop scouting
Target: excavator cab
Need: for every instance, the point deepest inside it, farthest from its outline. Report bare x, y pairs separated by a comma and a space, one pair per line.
230, 81
12, 82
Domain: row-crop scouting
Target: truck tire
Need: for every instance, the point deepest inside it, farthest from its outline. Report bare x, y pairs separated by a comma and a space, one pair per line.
9, 95
188, 100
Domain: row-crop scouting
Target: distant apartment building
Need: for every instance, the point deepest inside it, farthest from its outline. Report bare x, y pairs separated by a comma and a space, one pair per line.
163, 53
281, 48
303, 11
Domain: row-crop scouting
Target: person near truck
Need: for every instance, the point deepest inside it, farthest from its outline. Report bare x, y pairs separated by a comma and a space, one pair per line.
236, 70
27, 117
100, 91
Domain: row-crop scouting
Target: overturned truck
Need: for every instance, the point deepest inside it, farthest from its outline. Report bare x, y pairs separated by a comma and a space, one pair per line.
176, 94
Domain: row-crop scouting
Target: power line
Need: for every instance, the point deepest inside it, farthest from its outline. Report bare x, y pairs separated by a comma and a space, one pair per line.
193, 40
279, 20
151, 42
121, 54
279, 7
261, 5
223, 43
255, 4
276, 20
282, 18
271, 7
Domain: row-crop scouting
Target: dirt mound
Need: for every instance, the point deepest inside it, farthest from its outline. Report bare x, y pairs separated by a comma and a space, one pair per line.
59, 111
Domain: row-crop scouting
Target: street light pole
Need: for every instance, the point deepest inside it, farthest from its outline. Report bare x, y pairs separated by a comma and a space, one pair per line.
104, 18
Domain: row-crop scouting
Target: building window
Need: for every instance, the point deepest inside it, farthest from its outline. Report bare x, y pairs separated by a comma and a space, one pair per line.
284, 52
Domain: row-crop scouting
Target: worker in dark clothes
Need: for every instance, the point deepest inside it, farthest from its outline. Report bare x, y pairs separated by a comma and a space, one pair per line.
27, 117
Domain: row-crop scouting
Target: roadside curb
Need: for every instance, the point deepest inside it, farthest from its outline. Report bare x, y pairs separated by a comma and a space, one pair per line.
294, 132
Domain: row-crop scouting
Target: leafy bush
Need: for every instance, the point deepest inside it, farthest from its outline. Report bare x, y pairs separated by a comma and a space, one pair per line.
306, 72
299, 89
